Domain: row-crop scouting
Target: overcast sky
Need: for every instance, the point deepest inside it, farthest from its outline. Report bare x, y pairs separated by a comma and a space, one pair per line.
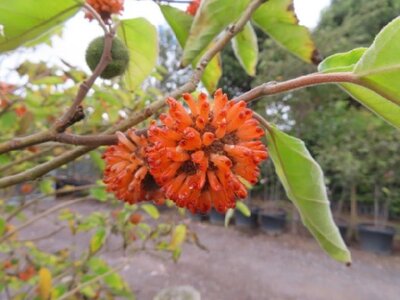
78, 33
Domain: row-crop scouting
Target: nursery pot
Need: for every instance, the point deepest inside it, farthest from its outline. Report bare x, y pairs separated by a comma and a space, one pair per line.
251, 222
216, 218
343, 227
375, 238
273, 222
198, 217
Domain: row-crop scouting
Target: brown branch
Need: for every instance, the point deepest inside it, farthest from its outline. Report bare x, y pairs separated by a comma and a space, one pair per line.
86, 140
143, 115
23, 142
66, 120
272, 88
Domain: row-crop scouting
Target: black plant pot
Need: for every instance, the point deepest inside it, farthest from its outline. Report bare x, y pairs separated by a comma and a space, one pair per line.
244, 222
273, 222
198, 217
216, 218
376, 239
342, 229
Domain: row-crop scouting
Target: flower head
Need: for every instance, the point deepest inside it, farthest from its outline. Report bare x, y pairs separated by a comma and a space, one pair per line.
105, 8
199, 157
193, 7
126, 173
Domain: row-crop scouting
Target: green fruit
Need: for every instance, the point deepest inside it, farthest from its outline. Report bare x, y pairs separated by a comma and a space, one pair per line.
119, 54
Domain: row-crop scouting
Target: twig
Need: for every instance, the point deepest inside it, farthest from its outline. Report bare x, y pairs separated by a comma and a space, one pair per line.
94, 13
262, 121
40, 216
86, 140
23, 142
271, 88
70, 115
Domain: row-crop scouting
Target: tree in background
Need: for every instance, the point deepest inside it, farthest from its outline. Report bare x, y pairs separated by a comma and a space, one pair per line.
315, 113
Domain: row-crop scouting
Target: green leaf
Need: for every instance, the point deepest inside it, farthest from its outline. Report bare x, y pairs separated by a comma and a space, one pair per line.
48, 80
5, 159
97, 241
46, 186
240, 206
178, 237
303, 181
3, 224
151, 210
24, 21
8, 120
58, 291
99, 193
278, 19
245, 48
140, 36
212, 17
346, 62
95, 156
341, 62
379, 67
66, 215
180, 23
115, 281
212, 72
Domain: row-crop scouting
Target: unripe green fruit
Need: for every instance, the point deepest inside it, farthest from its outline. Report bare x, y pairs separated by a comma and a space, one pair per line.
119, 54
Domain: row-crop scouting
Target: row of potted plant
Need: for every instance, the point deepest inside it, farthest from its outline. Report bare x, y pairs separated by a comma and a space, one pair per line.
372, 238
270, 222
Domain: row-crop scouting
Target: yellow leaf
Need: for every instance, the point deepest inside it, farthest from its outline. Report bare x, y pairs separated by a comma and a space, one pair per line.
178, 237
44, 285
11, 228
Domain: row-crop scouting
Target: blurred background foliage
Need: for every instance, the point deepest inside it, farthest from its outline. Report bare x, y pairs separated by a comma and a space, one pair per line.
352, 145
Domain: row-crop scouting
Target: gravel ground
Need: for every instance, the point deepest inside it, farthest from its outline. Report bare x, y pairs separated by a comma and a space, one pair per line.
248, 266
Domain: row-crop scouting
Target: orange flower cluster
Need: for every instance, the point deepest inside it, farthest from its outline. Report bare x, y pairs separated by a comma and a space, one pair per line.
105, 8
193, 7
198, 158
126, 173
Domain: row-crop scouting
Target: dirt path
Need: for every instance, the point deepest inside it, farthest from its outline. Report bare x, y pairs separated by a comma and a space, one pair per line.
243, 266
